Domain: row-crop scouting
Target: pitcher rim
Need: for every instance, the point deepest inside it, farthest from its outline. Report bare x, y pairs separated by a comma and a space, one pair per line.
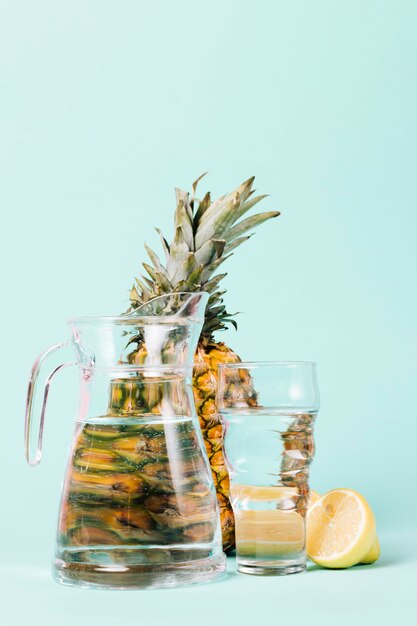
128, 319
261, 364
133, 318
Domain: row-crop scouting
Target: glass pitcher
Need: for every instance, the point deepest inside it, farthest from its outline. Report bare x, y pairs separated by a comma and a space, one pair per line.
138, 505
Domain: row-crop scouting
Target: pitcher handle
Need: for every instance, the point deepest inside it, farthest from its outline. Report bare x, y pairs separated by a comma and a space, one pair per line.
31, 396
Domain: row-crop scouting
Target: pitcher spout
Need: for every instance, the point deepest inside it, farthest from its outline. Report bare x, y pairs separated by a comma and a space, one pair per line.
172, 324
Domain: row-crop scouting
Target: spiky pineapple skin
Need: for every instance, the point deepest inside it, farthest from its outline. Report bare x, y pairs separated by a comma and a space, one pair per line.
208, 357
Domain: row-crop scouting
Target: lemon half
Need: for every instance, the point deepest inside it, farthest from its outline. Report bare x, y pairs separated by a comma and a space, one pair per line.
373, 554
341, 529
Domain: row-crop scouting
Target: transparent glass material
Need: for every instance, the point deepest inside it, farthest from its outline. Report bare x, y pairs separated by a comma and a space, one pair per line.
268, 412
138, 506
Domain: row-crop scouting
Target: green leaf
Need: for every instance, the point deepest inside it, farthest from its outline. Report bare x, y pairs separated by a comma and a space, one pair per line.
183, 198
217, 310
179, 250
154, 258
183, 221
216, 296
162, 280
206, 253
218, 221
150, 271
159, 268
202, 208
234, 198
249, 223
194, 189
213, 282
141, 286
245, 189
181, 286
151, 285
237, 242
134, 295
194, 279
208, 271
219, 244
246, 206
164, 242
147, 296
184, 270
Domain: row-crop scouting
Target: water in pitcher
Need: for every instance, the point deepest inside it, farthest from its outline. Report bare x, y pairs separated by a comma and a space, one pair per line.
137, 493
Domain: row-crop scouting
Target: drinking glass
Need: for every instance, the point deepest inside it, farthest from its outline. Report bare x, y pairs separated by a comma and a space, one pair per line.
268, 411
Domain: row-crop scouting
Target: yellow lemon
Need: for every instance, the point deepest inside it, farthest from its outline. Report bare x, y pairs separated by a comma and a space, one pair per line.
314, 496
341, 529
373, 554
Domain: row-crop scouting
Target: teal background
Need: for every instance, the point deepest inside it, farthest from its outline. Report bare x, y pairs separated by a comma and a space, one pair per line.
105, 108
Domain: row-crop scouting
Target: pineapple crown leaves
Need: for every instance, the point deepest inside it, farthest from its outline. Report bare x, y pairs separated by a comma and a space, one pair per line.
206, 233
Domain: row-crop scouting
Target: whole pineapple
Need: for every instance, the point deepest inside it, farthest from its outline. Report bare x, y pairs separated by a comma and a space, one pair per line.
206, 233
